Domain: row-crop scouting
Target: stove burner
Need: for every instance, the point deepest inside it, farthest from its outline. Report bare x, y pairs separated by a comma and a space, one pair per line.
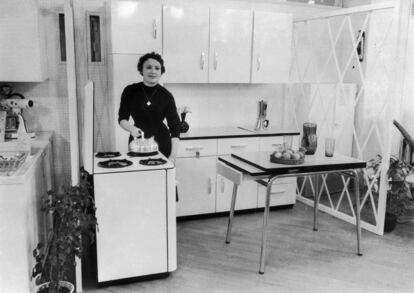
107, 154
153, 162
139, 154
115, 163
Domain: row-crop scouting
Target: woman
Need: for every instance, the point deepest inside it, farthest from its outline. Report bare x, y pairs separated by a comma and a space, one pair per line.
149, 104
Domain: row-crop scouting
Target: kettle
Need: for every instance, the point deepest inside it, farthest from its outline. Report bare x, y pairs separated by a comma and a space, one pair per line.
143, 145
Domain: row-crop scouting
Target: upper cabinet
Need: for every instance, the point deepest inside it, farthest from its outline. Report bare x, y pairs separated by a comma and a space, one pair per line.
201, 44
272, 47
136, 27
230, 45
186, 41
207, 46
22, 51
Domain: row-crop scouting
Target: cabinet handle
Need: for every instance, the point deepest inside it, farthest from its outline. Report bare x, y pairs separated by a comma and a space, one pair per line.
240, 146
154, 29
202, 59
258, 63
215, 60
209, 185
194, 148
222, 185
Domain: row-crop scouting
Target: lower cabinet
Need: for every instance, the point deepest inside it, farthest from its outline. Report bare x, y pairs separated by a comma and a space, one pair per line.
202, 191
246, 195
281, 194
196, 183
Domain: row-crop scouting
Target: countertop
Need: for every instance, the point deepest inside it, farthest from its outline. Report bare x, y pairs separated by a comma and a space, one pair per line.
229, 132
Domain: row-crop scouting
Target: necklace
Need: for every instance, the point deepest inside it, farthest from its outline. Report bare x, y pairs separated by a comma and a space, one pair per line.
145, 94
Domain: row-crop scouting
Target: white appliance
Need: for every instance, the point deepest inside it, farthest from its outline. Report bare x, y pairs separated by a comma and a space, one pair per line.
136, 211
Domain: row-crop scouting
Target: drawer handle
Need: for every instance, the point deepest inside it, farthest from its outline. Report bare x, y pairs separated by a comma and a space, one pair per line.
194, 148
240, 146
154, 29
209, 185
202, 60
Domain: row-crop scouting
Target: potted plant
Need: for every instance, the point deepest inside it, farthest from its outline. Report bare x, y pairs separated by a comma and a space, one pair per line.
399, 196
72, 213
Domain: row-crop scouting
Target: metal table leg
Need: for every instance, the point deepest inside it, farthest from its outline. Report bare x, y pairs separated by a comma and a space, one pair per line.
264, 229
358, 212
231, 215
315, 205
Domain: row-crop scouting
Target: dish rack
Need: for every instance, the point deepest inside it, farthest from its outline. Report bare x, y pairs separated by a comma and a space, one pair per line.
11, 160
12, 155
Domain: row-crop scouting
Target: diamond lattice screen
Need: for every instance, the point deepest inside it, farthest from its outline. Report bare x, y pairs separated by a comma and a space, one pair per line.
342, 74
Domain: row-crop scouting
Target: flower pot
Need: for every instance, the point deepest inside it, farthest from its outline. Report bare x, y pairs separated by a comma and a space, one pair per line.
390, 222
184, 127
65, 287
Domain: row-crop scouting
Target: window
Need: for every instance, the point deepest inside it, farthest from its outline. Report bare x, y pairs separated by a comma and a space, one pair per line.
62, 38
95, 38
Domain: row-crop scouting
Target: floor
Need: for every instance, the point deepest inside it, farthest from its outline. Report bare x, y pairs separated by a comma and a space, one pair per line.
298, 259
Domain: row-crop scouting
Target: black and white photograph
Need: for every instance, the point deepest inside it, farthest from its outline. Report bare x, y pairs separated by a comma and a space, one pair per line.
193, 146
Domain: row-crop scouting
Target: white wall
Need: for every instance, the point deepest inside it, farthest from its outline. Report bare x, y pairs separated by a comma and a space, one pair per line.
216, 105
408, 95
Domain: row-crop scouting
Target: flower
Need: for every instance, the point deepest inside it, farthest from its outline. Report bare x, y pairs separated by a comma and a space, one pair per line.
184, 110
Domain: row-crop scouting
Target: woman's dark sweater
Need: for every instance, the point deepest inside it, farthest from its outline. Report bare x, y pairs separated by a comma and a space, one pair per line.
150, 118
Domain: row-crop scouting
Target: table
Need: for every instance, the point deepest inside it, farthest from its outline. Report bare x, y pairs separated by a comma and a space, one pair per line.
257, 166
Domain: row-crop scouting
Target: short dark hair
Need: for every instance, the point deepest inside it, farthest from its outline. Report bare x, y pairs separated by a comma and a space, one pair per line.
147, 56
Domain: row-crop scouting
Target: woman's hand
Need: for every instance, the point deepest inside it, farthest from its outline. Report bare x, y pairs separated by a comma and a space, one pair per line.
135, 132
174, 149
172, 159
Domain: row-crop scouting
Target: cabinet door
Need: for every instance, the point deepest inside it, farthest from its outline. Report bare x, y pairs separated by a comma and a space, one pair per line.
272, 40
22, 49
246, 195
230, 46
196, 185
132, 216
282, 194
136, 27
186, 33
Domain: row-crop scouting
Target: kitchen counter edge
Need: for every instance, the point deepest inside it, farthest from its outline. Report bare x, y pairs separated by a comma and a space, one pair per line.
234, 132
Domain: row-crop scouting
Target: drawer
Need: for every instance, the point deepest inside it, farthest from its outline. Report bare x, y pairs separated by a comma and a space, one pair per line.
197, 147
282, 194
270, 143
226, 146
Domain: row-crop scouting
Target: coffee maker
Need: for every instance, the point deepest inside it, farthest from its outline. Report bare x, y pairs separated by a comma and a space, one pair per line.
262, 122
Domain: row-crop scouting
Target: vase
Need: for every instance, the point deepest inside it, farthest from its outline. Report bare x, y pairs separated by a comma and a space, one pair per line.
309, 138
184, 127
390, 222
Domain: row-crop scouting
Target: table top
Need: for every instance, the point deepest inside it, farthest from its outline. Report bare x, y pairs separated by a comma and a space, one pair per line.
261, 164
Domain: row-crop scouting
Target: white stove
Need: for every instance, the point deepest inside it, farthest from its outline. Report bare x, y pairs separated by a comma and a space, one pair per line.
136, 210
